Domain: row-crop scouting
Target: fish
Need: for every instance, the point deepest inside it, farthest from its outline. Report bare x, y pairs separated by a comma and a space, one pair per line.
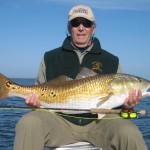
106, 91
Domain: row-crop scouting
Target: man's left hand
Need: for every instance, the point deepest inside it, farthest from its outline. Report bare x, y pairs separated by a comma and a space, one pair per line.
133, 99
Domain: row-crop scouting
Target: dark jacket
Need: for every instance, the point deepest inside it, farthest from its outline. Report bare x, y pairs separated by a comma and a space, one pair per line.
64, 60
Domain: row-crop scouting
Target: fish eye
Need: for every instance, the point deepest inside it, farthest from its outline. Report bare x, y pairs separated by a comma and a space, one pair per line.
140, 80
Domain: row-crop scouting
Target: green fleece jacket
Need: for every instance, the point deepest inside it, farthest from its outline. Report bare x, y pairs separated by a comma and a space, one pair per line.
65, 61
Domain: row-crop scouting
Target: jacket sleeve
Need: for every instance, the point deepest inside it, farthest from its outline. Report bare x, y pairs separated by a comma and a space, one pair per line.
41, 77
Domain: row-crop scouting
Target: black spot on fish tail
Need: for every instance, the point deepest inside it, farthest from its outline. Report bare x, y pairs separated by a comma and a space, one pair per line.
9, 84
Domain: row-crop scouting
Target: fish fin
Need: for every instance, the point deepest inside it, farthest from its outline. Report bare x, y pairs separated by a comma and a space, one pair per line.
57, 80
100, 116
5, 85
105, 98
85, 72
102, 100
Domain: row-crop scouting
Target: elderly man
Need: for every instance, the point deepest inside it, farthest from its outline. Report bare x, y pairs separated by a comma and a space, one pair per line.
81, 49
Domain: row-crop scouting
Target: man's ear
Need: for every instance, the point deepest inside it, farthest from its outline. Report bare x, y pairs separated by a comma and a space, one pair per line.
69, 28
94, 29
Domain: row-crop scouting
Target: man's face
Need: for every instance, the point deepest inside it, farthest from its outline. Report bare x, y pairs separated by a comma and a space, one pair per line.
81, 31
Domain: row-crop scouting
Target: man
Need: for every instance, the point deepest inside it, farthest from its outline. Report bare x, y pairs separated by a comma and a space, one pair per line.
41, 128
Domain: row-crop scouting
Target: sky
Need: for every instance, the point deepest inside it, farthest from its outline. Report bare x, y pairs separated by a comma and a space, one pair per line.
29, 28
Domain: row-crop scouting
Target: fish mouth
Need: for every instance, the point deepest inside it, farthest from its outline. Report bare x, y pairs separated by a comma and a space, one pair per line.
146, 91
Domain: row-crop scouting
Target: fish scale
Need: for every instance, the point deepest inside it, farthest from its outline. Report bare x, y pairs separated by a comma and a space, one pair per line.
75, 89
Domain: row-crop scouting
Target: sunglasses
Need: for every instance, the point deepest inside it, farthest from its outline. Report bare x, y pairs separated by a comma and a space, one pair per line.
76, 22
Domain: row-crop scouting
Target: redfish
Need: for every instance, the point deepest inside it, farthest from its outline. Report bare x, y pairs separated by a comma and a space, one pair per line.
97, 91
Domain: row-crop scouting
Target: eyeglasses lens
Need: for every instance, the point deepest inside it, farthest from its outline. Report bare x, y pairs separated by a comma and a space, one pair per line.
86, 23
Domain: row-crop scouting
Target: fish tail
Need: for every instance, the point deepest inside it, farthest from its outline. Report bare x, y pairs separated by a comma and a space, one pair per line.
5, 85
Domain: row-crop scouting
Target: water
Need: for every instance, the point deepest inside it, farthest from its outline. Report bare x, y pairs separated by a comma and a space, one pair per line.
9, 118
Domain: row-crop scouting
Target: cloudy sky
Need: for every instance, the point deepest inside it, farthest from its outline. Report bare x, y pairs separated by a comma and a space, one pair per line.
29, 28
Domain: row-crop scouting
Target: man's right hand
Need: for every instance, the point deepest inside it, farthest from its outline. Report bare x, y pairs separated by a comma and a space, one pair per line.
33, 100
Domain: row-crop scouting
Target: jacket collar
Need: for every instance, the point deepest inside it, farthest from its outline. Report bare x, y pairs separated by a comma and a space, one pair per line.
95, 49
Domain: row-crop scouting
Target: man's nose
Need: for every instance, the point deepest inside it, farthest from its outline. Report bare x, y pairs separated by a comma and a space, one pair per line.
81, 27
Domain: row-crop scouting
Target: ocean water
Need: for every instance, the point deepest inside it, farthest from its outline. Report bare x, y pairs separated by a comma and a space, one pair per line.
9, 118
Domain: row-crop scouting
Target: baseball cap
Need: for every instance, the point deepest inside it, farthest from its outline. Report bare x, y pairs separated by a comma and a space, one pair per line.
81, 11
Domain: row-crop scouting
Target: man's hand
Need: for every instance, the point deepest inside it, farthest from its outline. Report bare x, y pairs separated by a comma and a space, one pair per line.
33, 100
133, 99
